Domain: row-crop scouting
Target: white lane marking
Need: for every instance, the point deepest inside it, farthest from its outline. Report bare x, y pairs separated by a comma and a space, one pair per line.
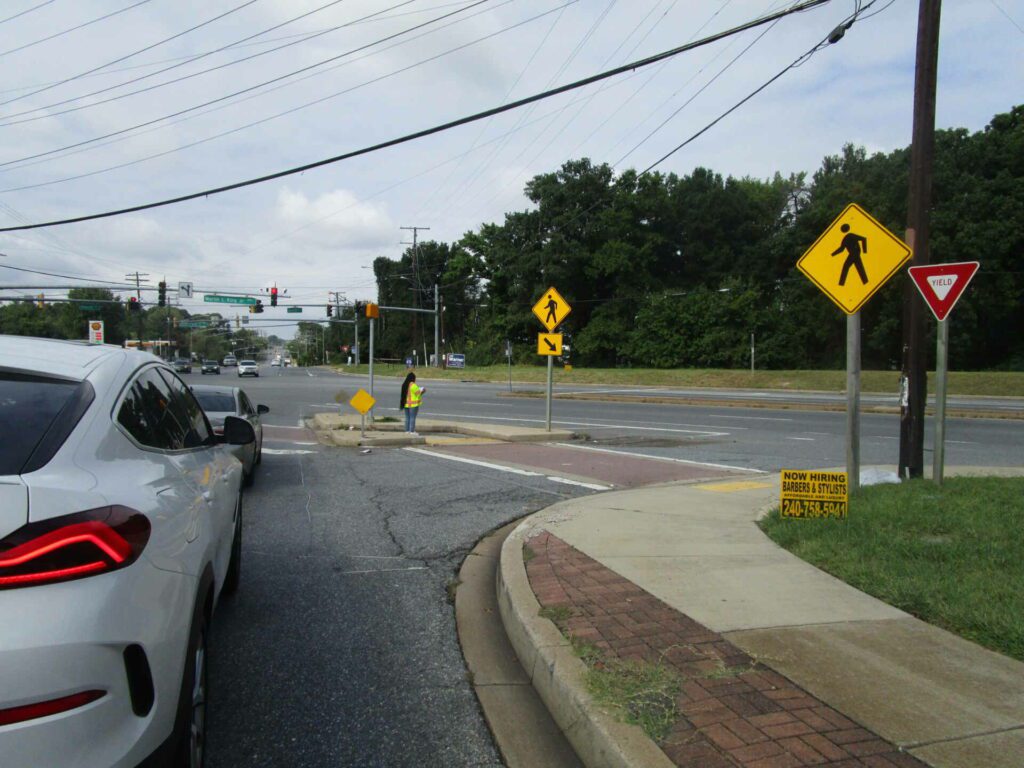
591, 486
809, 439
301, 424
707, 432
377, 557
750, 418
383, 570
960, 442
485, 464
286, 451
659, 458
283, 426
512, 470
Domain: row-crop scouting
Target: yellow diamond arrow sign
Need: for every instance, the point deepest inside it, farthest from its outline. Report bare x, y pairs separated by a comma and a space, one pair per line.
853, 258
551, 309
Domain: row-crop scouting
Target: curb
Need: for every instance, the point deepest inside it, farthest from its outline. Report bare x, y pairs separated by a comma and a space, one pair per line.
558, 675
773, 405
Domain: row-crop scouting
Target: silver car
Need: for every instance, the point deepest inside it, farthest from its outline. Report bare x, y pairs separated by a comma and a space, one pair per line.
248, 368
221, 402
120, 527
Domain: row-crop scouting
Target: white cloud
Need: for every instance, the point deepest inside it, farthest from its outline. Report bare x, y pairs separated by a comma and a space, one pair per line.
337, 218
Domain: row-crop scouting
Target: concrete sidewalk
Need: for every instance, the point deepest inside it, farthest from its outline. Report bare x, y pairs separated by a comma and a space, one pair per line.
783, 664
344, 430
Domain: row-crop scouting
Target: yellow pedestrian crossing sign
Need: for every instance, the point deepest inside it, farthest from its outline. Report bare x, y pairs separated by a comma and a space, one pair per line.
549, 344
551, 309
853, 258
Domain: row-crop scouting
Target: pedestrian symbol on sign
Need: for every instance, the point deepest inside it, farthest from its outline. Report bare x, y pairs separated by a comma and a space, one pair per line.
552, 308
852, 243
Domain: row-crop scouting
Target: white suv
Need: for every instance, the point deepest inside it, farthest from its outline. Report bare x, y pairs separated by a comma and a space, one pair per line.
120, 526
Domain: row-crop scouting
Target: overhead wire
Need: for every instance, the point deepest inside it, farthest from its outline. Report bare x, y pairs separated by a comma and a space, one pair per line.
75, 28
292, 110
26, 11
226, 97
118, 60
647, 61
7, 119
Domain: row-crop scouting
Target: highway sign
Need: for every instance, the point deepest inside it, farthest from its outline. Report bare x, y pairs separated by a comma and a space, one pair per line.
870, 253
809, 493
941, 285
184, 291
292, 310
95, 331
362, 401
551, 309
215, 299
549, 344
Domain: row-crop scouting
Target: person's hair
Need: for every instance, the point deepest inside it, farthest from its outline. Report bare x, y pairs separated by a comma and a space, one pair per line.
411, 376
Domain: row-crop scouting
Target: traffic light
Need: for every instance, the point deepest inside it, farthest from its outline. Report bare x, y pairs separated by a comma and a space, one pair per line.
259, 304
133, 305
372, 310
330, 310
273, 297
161, 295
358, 307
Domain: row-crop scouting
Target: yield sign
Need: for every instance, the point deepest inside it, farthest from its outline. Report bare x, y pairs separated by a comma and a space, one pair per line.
942, 284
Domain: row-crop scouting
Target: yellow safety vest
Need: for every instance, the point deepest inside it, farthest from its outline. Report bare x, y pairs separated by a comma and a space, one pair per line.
414, 396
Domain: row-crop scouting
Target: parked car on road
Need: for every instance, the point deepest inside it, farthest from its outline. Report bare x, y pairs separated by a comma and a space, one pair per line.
248, 368
230, 361
221, 402
120, 527
183, 365
210, 366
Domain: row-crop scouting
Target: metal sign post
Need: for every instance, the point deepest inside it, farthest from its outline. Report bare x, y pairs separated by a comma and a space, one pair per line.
941, 363
551, 368
508, 355
853, 401
371, 363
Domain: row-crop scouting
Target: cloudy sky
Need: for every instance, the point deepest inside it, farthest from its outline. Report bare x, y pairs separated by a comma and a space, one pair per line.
112, 103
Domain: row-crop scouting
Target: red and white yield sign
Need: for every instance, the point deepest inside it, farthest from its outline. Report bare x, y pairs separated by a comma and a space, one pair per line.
942, 284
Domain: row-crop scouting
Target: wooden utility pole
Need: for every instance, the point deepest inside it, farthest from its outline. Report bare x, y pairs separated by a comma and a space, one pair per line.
922, 151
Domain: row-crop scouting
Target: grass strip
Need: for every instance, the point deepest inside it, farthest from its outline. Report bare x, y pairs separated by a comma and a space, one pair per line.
989, 383
952, 555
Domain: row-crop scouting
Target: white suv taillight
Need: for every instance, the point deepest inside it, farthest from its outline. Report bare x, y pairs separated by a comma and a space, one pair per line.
72, 546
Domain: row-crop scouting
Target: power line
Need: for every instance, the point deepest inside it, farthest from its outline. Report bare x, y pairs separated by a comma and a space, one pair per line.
70, 29
240, 92
54, 274
442, 127
27, 10
237, 129
130, 55
197, 57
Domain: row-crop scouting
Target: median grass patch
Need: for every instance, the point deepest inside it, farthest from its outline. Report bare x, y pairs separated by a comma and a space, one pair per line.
992, 383
952, 555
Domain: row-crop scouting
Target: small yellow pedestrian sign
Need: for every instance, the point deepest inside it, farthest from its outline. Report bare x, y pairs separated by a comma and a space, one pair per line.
853, 258
551, 309
549, 344
362, 401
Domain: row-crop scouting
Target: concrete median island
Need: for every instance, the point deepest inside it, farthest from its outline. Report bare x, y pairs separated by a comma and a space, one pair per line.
344, 430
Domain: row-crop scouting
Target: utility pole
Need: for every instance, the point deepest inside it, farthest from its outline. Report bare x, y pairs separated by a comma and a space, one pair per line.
415, 281
140, 278
914, 387
437, 327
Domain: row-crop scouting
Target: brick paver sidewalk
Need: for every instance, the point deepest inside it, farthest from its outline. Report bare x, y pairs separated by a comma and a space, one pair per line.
736, 711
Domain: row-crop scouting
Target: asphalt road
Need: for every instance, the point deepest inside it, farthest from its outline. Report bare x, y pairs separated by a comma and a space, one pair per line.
340, 648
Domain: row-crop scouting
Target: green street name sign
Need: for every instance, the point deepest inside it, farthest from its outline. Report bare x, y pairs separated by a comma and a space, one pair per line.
294, 309
89, 307
194, 324
215, 299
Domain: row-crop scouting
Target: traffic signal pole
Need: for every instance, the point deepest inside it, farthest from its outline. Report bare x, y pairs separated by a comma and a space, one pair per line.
922, 150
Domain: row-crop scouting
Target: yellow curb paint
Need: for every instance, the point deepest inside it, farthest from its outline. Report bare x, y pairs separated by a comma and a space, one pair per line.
739, 485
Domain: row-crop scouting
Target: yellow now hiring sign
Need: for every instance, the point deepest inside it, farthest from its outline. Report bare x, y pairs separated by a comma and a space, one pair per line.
808, 493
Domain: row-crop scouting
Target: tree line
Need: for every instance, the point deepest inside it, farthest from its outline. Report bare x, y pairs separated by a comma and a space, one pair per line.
679, 271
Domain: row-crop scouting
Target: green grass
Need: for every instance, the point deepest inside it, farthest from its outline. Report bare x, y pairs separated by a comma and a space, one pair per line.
992, 383
644, 694
555, 613
952, 555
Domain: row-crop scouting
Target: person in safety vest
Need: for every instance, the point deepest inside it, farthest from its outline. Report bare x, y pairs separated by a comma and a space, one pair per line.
412, 395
